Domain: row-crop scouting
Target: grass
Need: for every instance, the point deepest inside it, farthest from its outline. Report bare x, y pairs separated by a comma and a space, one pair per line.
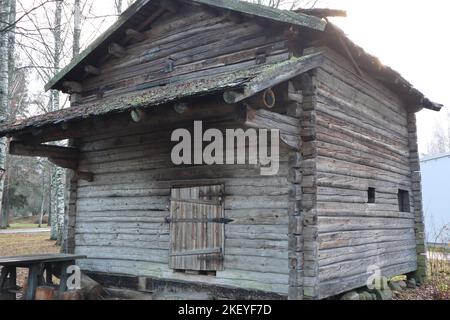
26, 223
25, 244
15, 226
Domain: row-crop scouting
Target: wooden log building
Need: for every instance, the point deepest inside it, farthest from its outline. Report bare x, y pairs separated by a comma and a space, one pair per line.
348, 192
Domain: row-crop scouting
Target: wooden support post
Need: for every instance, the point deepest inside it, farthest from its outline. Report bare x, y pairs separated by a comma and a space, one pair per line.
34, 280
64, 276
419, 227
295, 227
309, 189
48, 274
68, 245
8, 283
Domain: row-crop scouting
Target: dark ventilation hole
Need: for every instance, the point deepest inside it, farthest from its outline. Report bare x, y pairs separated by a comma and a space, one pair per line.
371, 195
403, 201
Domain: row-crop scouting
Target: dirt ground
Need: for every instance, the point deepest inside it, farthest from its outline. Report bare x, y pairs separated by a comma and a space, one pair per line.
24, 244
436, 288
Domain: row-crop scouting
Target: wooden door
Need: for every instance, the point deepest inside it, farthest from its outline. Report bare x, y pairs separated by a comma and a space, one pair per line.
197, 227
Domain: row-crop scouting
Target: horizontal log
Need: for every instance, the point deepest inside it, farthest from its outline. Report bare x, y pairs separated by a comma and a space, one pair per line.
40, 150
91, 70
135, 35
116, 50
65, 163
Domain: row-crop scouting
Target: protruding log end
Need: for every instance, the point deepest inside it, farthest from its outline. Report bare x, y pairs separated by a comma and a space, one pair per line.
137, 115
266, 99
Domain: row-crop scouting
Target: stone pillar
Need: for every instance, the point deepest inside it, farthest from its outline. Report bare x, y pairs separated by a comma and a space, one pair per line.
416, 188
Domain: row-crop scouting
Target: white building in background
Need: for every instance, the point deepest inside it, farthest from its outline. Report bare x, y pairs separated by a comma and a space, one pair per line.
436, 197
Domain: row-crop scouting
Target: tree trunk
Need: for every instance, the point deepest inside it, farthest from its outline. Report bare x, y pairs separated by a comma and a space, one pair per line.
76, 28
60, 202
56, 186
4, 100
6, 201
118, 6
44, 192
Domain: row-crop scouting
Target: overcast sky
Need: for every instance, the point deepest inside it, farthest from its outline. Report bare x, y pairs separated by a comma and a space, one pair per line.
412, 37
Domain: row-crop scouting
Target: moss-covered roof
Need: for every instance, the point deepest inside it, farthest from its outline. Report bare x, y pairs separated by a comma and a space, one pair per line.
241, 80
251, 9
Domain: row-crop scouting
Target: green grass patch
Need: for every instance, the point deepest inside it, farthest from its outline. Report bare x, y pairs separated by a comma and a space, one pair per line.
23, 226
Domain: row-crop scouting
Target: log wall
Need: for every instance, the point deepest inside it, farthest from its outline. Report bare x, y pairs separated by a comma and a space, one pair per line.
362, 142
120, 223
188, 44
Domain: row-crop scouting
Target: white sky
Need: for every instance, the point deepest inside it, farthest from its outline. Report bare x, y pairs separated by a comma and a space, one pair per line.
411, 36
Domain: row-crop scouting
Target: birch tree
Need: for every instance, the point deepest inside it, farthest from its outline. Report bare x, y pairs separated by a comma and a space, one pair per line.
76, 28
286, 4
57, 189
4, 94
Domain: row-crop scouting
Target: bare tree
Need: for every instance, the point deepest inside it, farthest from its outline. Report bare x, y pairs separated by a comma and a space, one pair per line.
440, 142
76, 28
118, 6
286, 4
4, 88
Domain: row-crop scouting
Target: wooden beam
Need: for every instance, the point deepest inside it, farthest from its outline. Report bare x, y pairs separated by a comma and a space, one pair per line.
72, 86
65, 163
349, 55
266, 99
155, 117
169, 6
285, 73
86, 176
42, 150
138, 115
289, 127
91, 70
116, 50
151, 19
135, 35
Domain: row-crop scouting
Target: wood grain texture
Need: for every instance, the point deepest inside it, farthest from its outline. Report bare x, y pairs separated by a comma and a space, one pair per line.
362, 142
121, 215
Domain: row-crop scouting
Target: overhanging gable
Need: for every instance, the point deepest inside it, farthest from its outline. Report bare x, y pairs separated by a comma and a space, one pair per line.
147, 10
